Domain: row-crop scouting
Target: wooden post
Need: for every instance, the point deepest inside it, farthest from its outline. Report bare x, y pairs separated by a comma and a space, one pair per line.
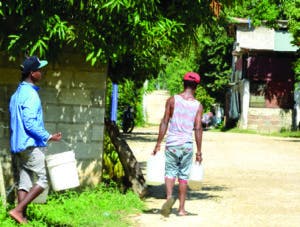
2, 186
130, 165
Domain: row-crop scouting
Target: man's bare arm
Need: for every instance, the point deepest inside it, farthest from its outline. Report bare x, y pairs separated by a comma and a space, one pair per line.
164, 123
198, 133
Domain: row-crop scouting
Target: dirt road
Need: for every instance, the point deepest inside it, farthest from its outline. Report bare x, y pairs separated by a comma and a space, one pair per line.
249, 180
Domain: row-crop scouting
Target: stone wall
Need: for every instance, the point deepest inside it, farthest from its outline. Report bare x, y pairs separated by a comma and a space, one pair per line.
73, 98
269, 119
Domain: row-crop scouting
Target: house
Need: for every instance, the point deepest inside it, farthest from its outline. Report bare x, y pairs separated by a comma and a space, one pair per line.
73, 98
262, 94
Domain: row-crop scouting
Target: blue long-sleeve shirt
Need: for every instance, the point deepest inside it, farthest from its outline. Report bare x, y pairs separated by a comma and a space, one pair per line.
26, 119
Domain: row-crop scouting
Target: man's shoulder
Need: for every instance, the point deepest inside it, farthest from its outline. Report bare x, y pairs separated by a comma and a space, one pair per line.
171, 99
25, 92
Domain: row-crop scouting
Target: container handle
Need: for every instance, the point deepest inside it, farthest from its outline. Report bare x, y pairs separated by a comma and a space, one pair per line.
66, 143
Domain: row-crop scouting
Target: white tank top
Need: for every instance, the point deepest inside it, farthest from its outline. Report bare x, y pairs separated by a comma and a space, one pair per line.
181, 124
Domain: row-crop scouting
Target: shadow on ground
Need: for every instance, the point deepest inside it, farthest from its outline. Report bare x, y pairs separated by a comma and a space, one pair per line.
289, 140
158, 211
140, 136
206, 192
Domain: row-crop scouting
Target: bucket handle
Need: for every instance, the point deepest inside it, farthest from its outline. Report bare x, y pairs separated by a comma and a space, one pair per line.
66, 143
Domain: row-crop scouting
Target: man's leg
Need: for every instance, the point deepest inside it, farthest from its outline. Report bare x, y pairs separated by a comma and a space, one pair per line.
167, 206
22, 176
21, 196
35, 164
171, 170
17, 212
170, 182
182, 196
184, 171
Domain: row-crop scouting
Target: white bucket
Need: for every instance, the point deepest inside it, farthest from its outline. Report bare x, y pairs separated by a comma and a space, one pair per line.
156, 169
196, 176
42, 198
62, 170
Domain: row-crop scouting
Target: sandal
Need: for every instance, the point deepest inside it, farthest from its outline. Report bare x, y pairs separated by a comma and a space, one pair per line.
167, 207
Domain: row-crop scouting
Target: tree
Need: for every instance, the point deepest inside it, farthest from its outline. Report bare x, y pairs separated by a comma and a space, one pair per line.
268, 12
129, 35
132, 36
292, 11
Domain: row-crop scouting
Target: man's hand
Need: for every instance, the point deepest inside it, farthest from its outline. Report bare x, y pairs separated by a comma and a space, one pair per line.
199, 157
156, 149
56, 137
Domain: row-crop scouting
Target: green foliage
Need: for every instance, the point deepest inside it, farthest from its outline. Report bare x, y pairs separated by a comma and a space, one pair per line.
130, 35
207, 53
297, 70
215, 58
292, 11
268, 12
171, 78
206, 100
175, 68
257, 11
287, 133
282, 133
129, 93
100, 206
4, 218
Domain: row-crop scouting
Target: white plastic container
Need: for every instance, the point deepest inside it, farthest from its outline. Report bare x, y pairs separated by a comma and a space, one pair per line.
42, 198
196, 176
62, 170
156, 169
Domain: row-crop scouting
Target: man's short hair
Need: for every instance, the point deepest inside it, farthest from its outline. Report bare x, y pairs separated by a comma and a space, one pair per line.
190, 84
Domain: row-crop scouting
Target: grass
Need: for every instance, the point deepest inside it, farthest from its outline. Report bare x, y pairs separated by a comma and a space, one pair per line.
101, 206
283, 133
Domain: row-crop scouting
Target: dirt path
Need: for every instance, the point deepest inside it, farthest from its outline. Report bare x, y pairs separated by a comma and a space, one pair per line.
250, 180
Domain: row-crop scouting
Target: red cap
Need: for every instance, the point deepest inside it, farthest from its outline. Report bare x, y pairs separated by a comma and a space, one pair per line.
191, 76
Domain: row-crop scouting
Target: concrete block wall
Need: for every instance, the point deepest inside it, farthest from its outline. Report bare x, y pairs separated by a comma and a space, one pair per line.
73, 98
269, 119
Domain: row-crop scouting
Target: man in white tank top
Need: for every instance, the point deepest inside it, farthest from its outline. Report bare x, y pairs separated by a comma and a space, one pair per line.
183, 114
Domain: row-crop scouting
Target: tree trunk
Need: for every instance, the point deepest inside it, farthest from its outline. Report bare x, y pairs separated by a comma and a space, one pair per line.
131, 167
2, 186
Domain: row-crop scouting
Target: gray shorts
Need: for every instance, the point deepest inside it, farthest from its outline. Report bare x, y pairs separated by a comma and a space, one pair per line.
32, 168
179, 161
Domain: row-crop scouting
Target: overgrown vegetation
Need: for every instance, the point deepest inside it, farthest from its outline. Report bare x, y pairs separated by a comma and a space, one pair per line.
128, 35
141, 39
209, 54
129, 93
101, 206
268, 12
286, 133
292, 9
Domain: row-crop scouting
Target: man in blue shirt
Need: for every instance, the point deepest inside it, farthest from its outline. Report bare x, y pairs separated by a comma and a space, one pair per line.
29, 137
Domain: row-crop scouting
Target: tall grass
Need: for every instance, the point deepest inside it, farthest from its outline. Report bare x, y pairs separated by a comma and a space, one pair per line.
101, 206
282, 133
